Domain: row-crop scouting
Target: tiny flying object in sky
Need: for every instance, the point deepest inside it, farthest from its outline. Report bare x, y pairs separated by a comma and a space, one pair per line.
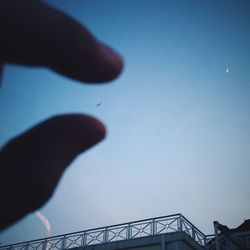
98, 104
227, 71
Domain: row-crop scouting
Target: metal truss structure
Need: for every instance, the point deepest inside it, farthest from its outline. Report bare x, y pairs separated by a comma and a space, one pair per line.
126, 231
243, 238
228, 241
226, 244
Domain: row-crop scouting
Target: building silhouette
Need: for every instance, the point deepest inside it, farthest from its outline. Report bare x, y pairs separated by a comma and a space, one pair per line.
173, 232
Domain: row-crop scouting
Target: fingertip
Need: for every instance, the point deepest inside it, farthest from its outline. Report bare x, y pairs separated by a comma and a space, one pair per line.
113, 60
101, 64
94, 128
77, 131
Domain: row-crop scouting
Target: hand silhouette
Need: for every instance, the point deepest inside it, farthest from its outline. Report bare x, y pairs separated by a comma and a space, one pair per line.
35, 34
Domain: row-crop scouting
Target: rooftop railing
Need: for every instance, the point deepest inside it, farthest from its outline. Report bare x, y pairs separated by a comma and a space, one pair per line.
125, 231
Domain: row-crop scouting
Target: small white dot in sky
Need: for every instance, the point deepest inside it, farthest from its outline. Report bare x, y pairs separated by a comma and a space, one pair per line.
227, 71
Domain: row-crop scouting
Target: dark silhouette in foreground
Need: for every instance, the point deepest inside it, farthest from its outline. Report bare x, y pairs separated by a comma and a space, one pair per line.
34, 34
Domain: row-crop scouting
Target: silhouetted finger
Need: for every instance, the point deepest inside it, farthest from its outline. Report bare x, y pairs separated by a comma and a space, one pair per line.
31, 164
36, 34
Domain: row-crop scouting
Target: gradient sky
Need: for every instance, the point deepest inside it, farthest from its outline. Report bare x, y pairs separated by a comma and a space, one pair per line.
178, 121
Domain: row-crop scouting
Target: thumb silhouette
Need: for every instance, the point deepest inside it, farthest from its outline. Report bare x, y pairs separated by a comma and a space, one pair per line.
32, 163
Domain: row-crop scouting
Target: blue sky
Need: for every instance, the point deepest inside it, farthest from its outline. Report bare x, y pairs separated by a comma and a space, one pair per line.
178, 122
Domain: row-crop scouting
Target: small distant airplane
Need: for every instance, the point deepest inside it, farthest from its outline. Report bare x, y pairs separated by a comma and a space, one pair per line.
98, 104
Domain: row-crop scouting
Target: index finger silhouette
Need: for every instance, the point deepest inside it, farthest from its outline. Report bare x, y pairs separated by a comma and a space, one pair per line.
36, 34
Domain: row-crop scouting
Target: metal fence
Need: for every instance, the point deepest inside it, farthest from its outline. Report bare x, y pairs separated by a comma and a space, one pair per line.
125, 231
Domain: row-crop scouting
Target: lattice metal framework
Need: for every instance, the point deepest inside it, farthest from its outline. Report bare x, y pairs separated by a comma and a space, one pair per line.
125, 231
226, 244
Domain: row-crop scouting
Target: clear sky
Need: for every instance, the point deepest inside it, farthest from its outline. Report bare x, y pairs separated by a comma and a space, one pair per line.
178, 117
